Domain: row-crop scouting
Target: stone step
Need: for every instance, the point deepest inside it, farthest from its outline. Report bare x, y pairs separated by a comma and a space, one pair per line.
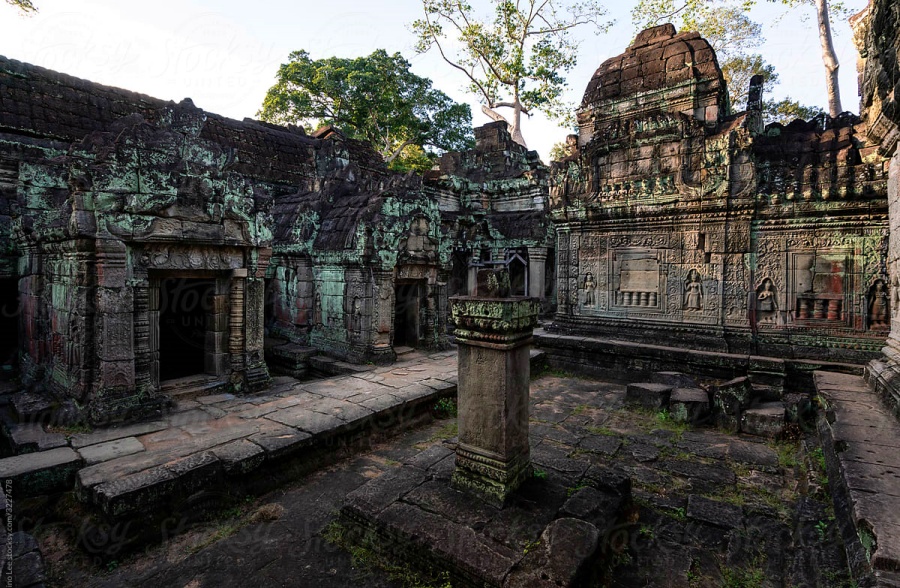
285, 358
191, 387
403, 350
861, 444
323, 365
764, 420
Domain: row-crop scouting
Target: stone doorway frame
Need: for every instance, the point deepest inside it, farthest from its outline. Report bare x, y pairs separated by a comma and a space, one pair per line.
215, 356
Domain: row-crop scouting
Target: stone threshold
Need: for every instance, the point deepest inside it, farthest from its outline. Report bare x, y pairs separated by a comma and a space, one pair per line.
861, 444
224, 444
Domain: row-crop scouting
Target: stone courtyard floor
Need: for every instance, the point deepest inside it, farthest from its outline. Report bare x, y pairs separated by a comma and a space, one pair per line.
709, 509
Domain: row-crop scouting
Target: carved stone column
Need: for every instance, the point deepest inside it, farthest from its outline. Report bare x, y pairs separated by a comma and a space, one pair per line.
537, 263
494, 336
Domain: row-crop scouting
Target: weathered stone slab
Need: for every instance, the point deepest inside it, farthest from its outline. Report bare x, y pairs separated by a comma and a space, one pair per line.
589, 504
673, 379
373, 497
135, 493
312, 422
689, 405
766, 420
460, 547
713, 512
110, 450
239, 457
647, 395
31, 437
43, 472
279, 440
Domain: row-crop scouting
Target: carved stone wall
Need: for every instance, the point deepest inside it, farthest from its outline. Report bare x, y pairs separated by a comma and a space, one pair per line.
493, 205
877, 36
680, 223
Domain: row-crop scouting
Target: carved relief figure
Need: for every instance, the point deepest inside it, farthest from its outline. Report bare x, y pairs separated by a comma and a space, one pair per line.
878, 305
589, 287
765, 303
693, 291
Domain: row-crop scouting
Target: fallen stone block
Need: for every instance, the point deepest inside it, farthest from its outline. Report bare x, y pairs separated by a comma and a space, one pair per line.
765, 420
647, 395
43, 472
569, 546
673, 379
689, 405
729, 400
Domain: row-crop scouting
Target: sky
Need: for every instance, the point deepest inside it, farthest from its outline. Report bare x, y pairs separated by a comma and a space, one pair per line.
224, 54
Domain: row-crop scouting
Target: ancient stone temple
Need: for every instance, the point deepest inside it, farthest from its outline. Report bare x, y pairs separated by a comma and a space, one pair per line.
683, 224
145, 242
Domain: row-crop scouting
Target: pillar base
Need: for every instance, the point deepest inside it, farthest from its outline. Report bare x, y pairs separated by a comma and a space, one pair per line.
487, 475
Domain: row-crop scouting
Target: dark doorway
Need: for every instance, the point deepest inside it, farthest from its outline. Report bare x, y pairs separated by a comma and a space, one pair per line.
459, 273
9, 323
518, 268
184, 306
406, 314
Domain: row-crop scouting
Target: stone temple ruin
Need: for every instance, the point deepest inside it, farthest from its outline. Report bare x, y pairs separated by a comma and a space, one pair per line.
151, 251
126, 215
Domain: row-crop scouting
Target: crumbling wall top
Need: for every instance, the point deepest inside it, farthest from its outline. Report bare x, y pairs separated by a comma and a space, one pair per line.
657, 64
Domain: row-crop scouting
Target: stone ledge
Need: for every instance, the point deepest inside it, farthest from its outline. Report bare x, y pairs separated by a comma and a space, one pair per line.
864, 487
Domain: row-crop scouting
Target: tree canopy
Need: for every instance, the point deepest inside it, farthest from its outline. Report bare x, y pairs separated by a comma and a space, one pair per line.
25, 6
518, 58
374, 98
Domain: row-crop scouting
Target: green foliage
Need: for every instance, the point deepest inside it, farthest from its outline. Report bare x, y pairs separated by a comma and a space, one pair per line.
559, 151
24, 6
743, 577
517, 58
787, 110
445, 408
540, 474
374, 98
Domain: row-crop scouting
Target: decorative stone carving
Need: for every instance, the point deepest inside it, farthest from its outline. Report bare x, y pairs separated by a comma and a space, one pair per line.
589, 288
766, 303
693, 292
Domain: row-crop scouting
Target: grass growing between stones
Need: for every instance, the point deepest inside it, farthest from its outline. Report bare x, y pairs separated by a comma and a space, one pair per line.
365, 557
751, 577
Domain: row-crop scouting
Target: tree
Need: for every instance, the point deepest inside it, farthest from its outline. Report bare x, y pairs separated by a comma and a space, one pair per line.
829, 56
374, 98
25, 6
517, 60
787, 110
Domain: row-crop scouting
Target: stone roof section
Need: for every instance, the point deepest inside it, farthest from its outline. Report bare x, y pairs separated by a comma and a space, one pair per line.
41, 103
658, 58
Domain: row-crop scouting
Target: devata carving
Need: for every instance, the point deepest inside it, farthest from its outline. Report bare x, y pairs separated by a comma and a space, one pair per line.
693, 294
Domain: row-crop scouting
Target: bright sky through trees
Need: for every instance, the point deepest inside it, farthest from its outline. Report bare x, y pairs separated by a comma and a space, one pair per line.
224, 54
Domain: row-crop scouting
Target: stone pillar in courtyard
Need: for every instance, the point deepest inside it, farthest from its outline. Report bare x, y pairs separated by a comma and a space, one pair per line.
494, 337
537, 262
